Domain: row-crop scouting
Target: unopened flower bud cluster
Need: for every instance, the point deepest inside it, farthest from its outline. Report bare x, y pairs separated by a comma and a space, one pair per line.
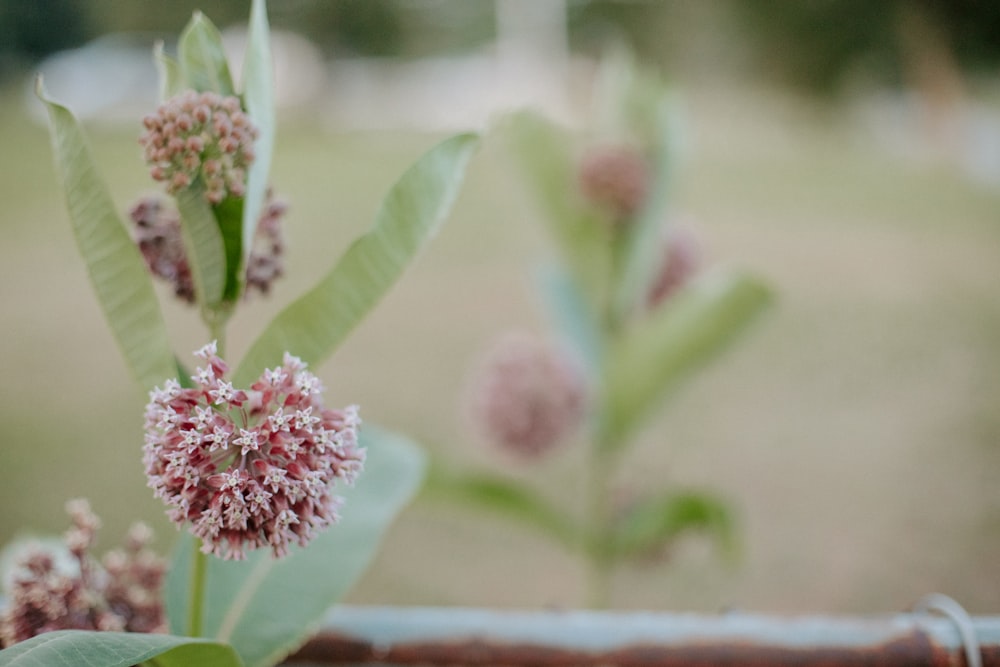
200, 136
250, 468
157, 232
49, 589
680, 261
528, 395
615, 178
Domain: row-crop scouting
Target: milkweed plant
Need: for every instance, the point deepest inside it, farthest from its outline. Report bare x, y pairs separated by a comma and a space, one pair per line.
633, 312
259, 472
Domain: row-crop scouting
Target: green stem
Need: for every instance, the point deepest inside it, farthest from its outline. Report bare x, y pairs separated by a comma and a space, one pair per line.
600, 555
196, 592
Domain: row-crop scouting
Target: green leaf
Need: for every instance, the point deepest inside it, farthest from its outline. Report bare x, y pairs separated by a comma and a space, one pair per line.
74, 648
658, 521
573, 318
684, 334
505, 497
117, 271
258, 97
545, 157
169, 70
313, 326
202, 57
229, 216
265, 607
203, 244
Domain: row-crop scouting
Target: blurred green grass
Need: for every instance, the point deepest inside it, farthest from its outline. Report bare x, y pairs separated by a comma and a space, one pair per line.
856, 429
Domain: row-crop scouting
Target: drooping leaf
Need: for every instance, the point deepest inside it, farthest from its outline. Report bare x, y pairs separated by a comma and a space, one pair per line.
258, 98
169, 70
505, 497
78, 648
685, 333
656, 522
544, 154
203, 245
265, 607
117, 271
313, 326
202, 57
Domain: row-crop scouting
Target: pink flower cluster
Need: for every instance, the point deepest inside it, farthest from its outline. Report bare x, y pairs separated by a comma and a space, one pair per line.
66, 589
157, 232
528, 395
249, 468
681, 260
200, 135
615, 178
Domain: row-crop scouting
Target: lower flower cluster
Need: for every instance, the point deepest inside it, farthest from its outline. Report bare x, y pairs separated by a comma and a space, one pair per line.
250, 468
64, 588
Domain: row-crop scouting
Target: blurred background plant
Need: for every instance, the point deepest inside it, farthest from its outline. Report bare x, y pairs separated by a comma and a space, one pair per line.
634, 317
854, 433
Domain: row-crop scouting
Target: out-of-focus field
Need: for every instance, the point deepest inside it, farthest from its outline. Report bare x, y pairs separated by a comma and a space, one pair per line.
856, 430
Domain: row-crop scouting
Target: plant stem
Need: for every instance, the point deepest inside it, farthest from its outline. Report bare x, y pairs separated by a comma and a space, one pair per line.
196, 592
600, 555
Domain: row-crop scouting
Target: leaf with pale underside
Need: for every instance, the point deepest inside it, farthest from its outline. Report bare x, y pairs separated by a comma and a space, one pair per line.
202, 57
266, 607
117, 271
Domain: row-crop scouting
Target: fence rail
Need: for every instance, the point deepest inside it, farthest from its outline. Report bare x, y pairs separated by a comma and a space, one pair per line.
457, 636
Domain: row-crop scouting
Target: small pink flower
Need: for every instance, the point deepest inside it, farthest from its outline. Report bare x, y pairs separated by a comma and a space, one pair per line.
249, 468
616, 179
200, 136
528, 395
51, 589
681, 260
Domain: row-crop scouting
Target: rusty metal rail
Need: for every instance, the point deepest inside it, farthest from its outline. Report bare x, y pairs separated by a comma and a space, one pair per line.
456, 636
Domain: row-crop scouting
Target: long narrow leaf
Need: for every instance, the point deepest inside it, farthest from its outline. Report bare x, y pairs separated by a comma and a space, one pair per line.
76, 648
202, 57
203, 244
657, 522
266, 607
313, 326
258, 97
686, 333
117, 271
507, 498
169, 70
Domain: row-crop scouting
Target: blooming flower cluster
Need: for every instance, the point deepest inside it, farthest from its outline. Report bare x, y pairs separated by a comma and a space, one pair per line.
66, 589
157, 232
200, 135
249, 468
616, 179
528, 395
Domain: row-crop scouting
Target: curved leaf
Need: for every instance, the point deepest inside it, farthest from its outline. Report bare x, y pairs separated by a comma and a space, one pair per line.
411, 213
258, 98
265, 607
203, 245
506, 497
202, 57
687, 332
169, 70
117, 271
73, 648
655, 523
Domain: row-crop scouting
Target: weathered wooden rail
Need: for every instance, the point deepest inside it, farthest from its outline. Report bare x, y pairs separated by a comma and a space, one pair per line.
457, 636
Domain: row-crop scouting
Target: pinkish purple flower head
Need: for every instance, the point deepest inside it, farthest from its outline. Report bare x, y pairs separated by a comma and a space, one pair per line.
528, 395
66, 589
681, 260
202, 136
614, 178
157, 232
250, 468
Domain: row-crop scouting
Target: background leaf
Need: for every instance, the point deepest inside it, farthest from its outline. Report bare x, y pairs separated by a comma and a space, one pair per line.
75, 648
573, 319
544, 153
265, 607
117, 271
202, 57
169, 70
258, 99
656, 522
685, 333
313, 326
506, 497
